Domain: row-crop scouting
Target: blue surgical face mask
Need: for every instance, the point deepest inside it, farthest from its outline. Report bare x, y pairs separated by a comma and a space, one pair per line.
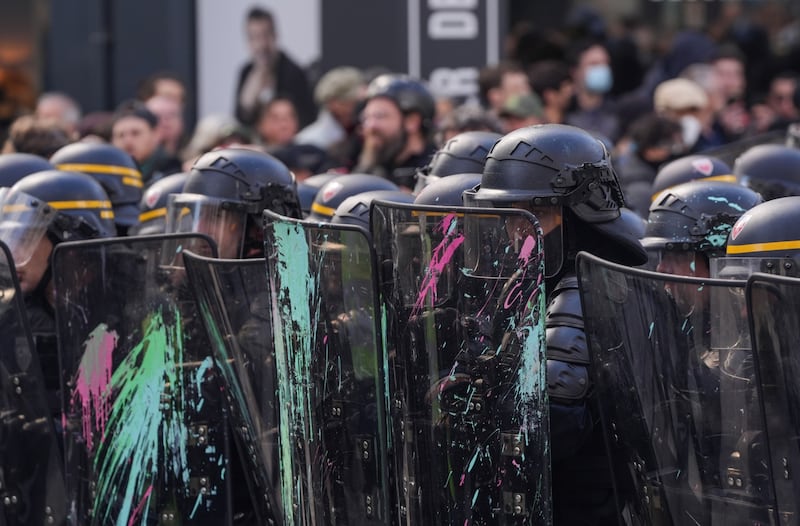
598, 78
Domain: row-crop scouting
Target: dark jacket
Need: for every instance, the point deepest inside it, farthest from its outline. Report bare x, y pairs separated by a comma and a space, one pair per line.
291, 82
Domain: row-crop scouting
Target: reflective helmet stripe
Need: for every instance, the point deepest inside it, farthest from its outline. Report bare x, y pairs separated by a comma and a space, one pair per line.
78, 205
130, 176
152, 214
322, 209
764, 247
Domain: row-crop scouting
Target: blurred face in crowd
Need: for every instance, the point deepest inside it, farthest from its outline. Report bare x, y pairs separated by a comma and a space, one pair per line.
171, 89
384, 128
595, 57
781, 98
278, 123
729, 76
261, 40
135, 137
170, 119
514, 83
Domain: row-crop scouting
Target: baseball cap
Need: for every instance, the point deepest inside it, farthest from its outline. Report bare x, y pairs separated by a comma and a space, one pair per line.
522, 106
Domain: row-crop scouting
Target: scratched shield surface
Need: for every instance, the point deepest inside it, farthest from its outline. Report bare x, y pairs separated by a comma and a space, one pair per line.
234, 304
31, 466
145, 437
679, 396
329, 357
464, 306
773, 306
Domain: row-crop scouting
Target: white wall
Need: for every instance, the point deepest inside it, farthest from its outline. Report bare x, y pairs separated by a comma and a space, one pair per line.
221, 46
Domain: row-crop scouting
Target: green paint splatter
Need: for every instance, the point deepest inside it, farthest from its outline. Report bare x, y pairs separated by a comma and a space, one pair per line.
145, 423
294, 290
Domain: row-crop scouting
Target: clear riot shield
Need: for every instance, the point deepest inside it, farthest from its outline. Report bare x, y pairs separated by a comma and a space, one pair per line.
234, 305
773, 305
31, 468
330, 364
678, 393
145, 438
464, 303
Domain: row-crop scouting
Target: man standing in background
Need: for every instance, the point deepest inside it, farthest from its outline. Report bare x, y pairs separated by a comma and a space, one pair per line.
270, 73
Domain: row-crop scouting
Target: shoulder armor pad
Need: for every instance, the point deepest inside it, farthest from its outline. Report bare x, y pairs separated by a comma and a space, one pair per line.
567, 382
566, 339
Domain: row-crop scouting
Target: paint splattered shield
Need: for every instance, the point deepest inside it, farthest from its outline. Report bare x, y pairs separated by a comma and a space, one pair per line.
235, 308
679, 396
330, 361
32, 481
773, 307
463, 299
145, 436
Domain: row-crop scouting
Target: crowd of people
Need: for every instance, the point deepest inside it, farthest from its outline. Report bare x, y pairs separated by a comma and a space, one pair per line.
628, 175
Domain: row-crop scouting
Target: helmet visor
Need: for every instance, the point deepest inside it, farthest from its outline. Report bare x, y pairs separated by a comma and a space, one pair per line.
225, 224
550, 219
24, 220
676, 262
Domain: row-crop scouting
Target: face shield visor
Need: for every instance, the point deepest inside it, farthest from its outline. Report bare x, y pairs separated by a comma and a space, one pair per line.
24, 221
222, 221
550, 219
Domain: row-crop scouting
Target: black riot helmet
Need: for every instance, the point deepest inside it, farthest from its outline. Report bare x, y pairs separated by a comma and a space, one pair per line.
765, 239
448, 191
114, 169
226, 192
153, 206
691, 168
563, 175
408, 93
355, 209
773, 170
15, 166
307, 190
463, 153
332, 193
695, 218
64, 206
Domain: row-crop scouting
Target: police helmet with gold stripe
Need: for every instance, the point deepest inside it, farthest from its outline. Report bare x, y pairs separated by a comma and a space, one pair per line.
114, 169
65, 206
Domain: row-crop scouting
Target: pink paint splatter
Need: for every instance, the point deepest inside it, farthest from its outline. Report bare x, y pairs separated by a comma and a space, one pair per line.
139, 507
91, 384
527, 249
440, 258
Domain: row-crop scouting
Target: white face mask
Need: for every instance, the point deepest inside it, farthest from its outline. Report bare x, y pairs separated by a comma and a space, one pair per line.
690, 130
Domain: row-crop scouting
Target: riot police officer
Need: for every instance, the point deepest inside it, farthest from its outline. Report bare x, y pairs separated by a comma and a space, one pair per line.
335, 191
691, 168
15, 166
765, 239
153, 215
689, 224
464, 153
38, 212
224, 195
114, 169
564, 176
770, 169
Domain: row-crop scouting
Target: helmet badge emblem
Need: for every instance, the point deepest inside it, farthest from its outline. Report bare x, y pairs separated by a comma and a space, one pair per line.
331, 190
739, 226
704, 166
151, 197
